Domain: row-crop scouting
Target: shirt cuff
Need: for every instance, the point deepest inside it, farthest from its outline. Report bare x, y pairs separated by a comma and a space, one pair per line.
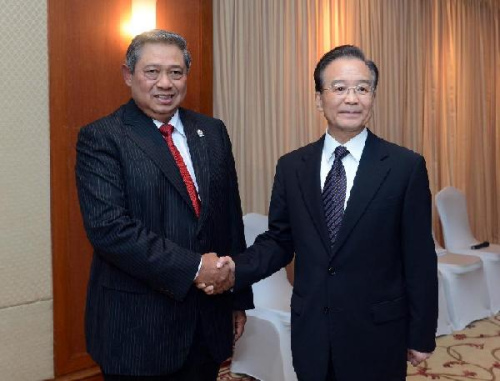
199, 268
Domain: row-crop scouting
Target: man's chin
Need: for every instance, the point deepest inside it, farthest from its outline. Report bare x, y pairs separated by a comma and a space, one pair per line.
161, 115
352, 128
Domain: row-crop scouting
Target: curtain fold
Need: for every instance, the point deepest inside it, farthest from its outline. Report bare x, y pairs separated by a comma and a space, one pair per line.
439, 89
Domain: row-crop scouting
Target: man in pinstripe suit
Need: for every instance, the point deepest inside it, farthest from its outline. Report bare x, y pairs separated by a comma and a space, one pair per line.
145, 319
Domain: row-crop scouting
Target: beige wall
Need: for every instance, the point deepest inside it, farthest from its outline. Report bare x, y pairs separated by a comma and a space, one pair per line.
25, 247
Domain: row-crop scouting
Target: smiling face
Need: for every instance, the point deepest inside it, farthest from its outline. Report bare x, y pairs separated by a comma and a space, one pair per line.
160, 95
346, 114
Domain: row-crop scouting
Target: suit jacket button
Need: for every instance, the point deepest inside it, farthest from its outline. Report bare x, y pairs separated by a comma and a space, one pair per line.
326, 310
331, 271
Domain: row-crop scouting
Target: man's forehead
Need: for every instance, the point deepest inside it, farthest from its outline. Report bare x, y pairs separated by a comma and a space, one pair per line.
159, 47
347, 68
153, 53
356, 81
161, 44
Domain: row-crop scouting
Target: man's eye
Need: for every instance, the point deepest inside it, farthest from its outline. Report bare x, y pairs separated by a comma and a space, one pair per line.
176, 74
362, 89
339, 89
151, 73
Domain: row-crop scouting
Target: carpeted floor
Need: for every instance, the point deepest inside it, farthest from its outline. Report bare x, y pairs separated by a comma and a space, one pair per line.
471, 354
226, 375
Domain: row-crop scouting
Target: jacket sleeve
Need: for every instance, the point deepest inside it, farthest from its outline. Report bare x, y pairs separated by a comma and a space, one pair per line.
273, 249
243, 299
420, 261
118, 238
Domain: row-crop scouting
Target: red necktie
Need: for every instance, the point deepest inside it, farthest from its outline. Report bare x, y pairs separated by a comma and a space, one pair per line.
166, 131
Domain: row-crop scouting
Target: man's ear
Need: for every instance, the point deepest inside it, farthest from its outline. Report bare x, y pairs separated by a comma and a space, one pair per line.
319, 101
127, 75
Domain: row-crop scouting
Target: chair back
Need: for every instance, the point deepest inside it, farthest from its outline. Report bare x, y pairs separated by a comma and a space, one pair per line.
437, 247
275, 291
254, 224
452, 209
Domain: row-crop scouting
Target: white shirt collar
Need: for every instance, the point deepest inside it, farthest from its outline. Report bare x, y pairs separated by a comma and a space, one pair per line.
175, 121
354, 146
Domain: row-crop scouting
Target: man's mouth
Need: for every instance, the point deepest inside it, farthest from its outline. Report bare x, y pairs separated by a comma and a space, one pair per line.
349, 112
164, 98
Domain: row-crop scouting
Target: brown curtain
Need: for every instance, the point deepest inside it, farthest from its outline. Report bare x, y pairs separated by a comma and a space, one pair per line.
439, 89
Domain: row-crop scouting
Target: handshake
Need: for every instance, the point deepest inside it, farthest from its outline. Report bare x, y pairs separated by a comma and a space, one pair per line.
216, 274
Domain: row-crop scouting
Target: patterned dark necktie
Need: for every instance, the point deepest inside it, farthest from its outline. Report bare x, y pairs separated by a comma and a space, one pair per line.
334, 192
166, 131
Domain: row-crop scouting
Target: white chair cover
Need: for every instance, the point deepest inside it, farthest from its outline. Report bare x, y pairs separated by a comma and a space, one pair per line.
264, 350
464, 286
444, 325
452, 208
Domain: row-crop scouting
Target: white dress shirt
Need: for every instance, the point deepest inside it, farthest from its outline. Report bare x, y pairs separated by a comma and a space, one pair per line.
355, 147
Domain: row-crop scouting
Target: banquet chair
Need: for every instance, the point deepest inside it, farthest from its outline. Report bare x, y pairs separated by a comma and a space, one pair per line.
458, 238
264, 350
464, 286
443, 324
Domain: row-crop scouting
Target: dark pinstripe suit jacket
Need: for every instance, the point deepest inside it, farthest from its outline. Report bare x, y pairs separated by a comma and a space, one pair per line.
142, 307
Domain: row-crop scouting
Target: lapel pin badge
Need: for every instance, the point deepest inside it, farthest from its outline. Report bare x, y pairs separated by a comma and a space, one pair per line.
200, 133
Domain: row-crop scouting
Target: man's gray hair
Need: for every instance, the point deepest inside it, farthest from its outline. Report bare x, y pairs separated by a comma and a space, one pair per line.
155, 36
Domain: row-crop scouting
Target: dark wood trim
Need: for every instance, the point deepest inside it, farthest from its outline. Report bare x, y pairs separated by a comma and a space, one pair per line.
92, 374
206, 58
193, 20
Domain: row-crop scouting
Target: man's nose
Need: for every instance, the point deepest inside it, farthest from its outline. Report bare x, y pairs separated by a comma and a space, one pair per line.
351, 96
164, 80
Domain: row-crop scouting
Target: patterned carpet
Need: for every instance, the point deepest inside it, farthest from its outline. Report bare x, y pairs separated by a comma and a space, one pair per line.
226, 375
471, 354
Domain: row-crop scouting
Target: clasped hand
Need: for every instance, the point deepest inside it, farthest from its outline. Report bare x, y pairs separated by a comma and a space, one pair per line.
216, 274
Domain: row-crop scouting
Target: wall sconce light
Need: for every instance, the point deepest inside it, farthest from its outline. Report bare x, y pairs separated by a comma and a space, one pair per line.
143, 17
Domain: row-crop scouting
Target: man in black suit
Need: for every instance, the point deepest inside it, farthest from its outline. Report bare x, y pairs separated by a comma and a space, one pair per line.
157, 187
358, 218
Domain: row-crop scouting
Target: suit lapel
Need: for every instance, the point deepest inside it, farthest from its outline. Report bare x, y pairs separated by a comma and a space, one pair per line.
198, 150
372, 171
308, 177
142, 130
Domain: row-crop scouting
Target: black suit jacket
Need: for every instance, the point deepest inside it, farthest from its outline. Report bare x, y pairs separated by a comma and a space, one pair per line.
142, 307
372, 295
